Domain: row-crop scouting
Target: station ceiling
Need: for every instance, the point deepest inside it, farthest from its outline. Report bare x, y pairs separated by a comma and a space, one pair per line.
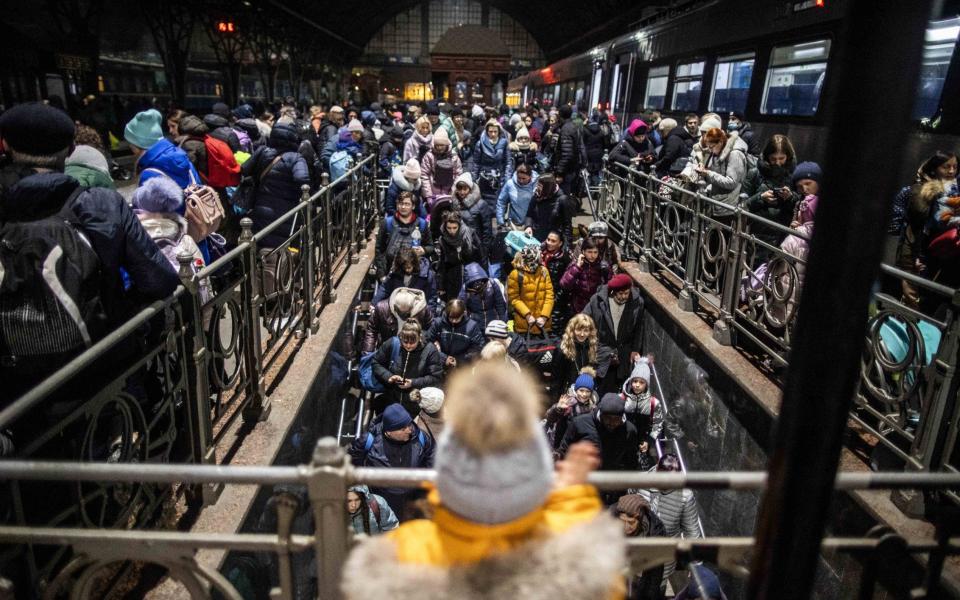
561, 27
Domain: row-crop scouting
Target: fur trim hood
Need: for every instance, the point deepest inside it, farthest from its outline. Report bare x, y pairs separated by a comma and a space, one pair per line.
734, 142
584, 562
402, 182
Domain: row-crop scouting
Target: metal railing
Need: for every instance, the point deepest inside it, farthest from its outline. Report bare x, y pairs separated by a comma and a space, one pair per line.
326, 480
723, 264
167, 384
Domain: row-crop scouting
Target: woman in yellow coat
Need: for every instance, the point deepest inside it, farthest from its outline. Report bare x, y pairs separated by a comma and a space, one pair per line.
532, 298
504, 525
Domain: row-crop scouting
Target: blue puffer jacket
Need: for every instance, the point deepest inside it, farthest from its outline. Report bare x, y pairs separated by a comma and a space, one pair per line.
517, 197
488, 156
491, 305
280, 189
113, 230
166, 157
462, 341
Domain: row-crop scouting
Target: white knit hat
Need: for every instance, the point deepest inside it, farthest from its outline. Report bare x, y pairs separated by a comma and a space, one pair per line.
411, 170
709, 124
431, 400
354, 125
440, 136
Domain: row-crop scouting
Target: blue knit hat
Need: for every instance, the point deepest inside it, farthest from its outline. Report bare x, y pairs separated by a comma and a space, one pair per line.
395, 417
807, 170
584, 381
144, 130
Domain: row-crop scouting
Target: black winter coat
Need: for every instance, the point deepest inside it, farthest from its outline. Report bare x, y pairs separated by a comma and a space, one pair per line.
624, 153
422, 367
594, 144
478, 215
382, 325
567, 158
453, 256
545, 215
676, 148
566, 370
764, 178
629, 336
557, 266
618, 448
277, 193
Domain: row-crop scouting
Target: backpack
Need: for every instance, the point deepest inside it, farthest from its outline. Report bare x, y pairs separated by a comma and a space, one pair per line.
368, 381
443, 172
222, 168
245, 195
398, 238
50, 280
340, 162
202, 210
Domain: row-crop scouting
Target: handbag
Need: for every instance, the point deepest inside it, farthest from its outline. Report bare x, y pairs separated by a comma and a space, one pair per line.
946, 245
203, 211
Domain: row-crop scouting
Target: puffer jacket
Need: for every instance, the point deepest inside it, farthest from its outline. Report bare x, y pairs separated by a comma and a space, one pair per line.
624, 153
517, 197
88, 166
417, 146
280, 189
491, 305
384, 322
676, 148
475, 212
169, 232
220, 129
192, 132
594, 144
387, 520
767, 177
437, 173
454, 253
399, 183
168, 160
422, 366
581, 554
582, 282
567, 158
535, 297
462, 341
493, 160
547, 214
725, 173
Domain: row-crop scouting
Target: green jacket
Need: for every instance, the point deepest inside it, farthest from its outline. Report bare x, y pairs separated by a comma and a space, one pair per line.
90, 177
447, 123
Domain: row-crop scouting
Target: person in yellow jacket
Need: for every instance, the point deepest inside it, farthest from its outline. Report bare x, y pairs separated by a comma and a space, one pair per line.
530, 292
504, 524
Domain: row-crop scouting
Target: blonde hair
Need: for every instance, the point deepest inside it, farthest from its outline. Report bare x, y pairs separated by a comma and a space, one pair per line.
493, 408
568, 343
410, 329
423, 122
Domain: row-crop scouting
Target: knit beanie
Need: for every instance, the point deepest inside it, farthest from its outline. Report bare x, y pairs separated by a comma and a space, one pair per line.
611, 404
440, 136
36, 128
493, 462
395, 417
336, 109
158, 194
667, 124
496, 329
465, 178
523, 132
354, 125
619, 282
807, 170
583, 381
632, 505
221, 109
411, 170
641, 370
598, 229
88, 156
476, 112
143, 130
431, 400
709, 124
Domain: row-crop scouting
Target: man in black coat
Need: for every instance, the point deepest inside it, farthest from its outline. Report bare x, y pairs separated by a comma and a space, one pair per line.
568, 159
605, 427
617, 310
677, 146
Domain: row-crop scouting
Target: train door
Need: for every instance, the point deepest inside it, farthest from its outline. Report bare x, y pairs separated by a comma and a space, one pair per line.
595, 86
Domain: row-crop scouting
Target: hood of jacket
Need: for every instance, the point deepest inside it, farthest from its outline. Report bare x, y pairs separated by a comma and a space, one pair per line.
360, 489
734, 142
402, 182
167, 158
488, 147
530, 187
37, 196
213, 121
474, 195
163, 225
284, 138
419, 302
192, 125
583, 561
472, 273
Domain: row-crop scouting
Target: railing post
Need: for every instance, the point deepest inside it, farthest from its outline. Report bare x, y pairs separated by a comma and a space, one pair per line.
723, 330
329, 295
629, 200
649, 220
327, 488
369, 186
198, 386
936, 433
312, 323
257, 406
352, 220
687, 300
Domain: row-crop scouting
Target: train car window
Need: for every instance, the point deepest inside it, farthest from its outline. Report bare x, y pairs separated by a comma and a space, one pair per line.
731, 83
941, 39
795, 79
687, 85
656, 92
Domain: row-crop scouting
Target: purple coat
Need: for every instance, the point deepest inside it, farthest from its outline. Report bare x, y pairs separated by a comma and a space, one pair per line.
582, 282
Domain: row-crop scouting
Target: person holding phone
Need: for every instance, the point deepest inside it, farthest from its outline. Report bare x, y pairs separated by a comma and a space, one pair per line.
769, 192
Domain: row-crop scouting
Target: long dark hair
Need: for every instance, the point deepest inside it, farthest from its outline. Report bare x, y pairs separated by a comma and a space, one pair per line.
780, 144
364, 510
928, 168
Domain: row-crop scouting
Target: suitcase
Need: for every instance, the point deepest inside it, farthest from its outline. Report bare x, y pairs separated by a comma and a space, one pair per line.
518, 240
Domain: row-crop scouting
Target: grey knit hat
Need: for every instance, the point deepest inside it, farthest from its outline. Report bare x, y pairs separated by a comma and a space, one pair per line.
497, 487
496, 329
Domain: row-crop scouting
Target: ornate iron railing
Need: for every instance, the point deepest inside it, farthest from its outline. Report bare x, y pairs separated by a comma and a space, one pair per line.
167, 384
325, 481
720, 258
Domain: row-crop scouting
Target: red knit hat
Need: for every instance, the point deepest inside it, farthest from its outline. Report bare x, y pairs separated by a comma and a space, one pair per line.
620, 282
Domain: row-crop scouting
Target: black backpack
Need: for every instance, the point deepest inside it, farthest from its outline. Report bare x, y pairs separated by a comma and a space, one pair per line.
50, 282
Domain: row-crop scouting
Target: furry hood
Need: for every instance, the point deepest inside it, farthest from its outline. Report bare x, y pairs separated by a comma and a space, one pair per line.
402, 182
583, 562
474, 196
734, 142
